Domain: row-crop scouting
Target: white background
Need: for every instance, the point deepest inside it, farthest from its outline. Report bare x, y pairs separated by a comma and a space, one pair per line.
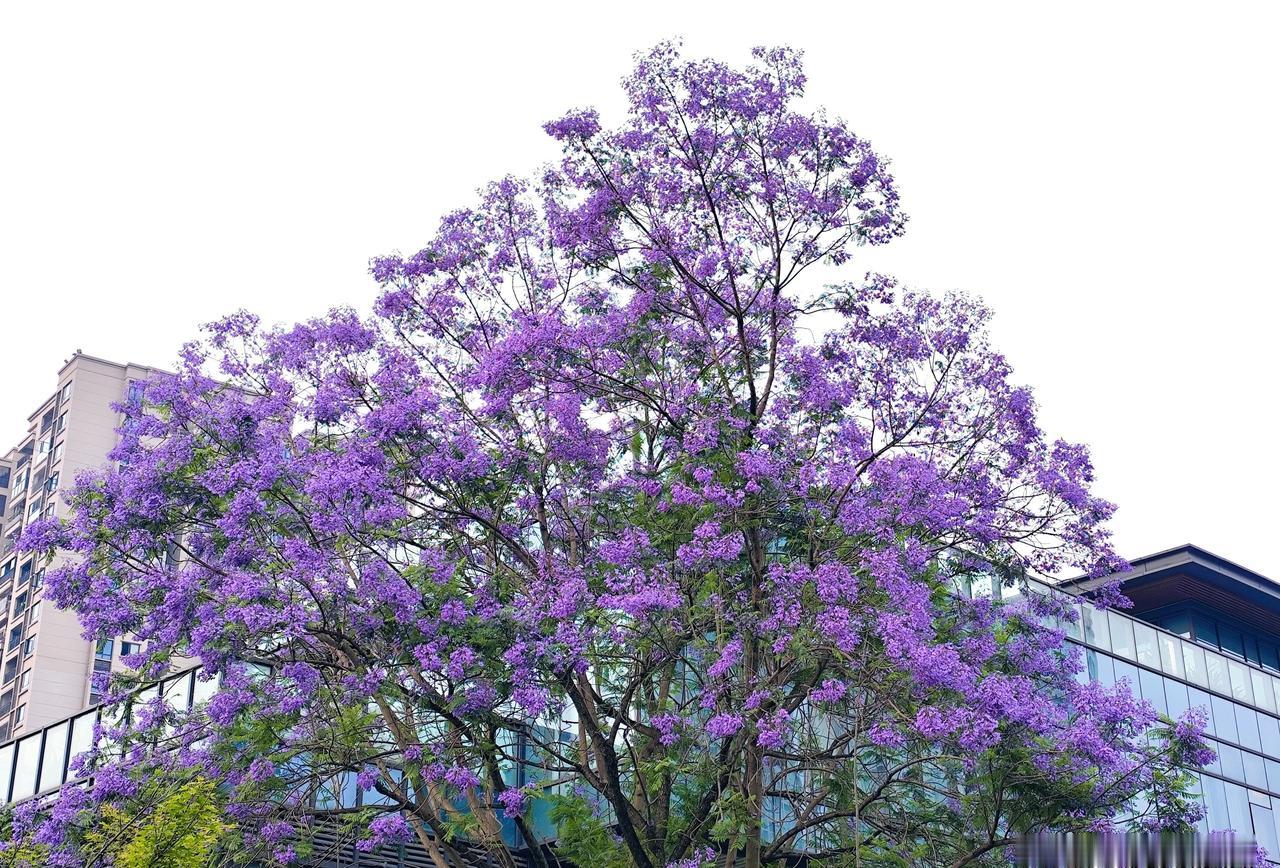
1105, 175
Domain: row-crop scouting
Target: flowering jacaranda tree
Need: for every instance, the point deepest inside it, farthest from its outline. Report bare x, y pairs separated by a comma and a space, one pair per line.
626, 502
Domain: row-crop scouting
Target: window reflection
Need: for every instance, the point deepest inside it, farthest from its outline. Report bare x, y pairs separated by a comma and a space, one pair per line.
1262, 695
24, 772
1255, 770
1264, 829
1171, 654
55, 752
1232, 761
1194, 665
6, 771
1097, 631
1215, 801
1247, 726
1147, 647
1121, 635
1216, 668
1224, 718
1241, 684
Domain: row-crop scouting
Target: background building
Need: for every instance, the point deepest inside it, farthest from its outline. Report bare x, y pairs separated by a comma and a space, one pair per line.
1204, 632
46, 665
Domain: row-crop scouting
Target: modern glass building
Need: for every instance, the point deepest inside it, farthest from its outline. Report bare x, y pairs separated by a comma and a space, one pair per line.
1202, 632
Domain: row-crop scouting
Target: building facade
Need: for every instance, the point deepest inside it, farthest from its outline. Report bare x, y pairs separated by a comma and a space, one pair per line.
46, 667
1202, 632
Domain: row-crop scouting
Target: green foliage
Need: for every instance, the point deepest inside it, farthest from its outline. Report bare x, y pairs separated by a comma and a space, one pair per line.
585, 839
183, 830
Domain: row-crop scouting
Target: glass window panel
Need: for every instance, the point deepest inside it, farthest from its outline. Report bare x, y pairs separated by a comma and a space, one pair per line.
1255, 770
1206, 631
1267, 652
1175, 693
1127, 672
1247, 726
1262, 695
1153, 690
1241, 684
1269, 732
55, 754
1146, 643
1089, 671
1264, 829
1238, 811
205, 689
1121, 635
1232, 762
177, 691
1224, 719
24, 771
1180, 624
1216, 668
339, 791
1072, 628
1171, 654
1096, 629
81, 735
1106, 669
1273, 774
1215, 765
1230, 641
1250, 648
1193, 664
6, 771
1215, 802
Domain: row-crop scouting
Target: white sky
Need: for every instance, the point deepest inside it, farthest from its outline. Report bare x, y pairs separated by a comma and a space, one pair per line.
1105, 178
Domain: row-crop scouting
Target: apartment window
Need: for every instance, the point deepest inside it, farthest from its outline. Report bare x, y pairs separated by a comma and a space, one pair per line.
20, 603
4, 477
9, 568
15, 637
29, 647
35, 612
51, 484
128, 648
24, 573
57, 453
105, 649
102, 665
34, 509
65, 394
25, 682
20, 714
6, 703
10, 670
38, 583
62, 423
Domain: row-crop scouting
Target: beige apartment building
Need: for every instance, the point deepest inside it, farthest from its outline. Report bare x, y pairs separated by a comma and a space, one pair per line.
46, 664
